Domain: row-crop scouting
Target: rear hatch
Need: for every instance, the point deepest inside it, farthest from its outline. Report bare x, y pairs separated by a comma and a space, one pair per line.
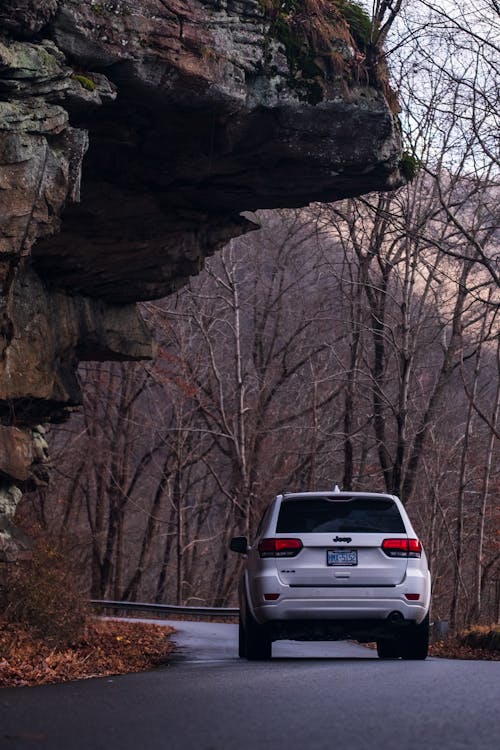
342, 541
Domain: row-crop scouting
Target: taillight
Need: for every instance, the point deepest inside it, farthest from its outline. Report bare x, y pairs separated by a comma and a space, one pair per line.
279, 547
402, 547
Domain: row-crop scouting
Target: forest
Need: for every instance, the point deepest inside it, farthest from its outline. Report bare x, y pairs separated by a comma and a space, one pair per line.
353, 343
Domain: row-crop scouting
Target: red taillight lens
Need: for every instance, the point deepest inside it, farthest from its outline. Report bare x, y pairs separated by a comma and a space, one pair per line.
279, 547
402, 547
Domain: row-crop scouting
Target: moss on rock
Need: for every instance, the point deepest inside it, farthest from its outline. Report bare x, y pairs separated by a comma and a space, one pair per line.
84, 81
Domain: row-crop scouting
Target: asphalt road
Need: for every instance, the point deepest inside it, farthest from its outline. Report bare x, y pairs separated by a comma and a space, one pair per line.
310, 696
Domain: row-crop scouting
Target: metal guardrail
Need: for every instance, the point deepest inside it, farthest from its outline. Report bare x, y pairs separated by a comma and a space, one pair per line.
166, 609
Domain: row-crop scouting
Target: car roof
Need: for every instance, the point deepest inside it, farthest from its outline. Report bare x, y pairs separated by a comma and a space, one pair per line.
334, 493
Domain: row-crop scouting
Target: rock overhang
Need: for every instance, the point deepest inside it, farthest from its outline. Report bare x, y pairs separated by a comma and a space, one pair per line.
132, 137
158, 184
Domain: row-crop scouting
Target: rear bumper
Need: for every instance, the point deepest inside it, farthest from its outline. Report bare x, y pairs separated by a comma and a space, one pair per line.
336, 608
339, 603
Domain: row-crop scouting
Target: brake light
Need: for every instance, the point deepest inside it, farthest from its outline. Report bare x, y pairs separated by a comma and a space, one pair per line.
279, 547
402, 547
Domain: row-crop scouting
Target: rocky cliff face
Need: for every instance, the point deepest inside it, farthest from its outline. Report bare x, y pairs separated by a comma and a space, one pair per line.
133, 134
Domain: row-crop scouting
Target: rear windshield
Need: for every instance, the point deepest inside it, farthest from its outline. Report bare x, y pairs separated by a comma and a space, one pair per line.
318, 515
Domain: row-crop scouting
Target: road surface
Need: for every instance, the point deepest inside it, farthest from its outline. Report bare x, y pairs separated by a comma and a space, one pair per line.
310, 696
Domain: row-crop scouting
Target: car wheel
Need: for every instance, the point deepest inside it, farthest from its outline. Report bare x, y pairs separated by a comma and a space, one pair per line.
417, 641
258, 644
242, 646
388, 648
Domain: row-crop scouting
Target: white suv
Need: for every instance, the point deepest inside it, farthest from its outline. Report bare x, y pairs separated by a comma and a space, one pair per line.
331, 566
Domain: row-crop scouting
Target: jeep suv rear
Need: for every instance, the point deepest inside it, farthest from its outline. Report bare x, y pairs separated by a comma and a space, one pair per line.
331, 566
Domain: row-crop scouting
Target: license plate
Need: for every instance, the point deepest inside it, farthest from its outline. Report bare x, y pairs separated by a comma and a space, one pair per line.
342, 557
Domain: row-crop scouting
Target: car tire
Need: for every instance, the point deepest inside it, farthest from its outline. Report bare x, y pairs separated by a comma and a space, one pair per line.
416, 644
388, 648
258, 644
242, 646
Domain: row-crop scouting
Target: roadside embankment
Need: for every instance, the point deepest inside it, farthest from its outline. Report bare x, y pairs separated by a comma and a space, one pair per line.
106, 648
480, 642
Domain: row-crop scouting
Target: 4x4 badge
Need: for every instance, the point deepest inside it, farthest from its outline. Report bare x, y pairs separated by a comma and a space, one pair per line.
343, 539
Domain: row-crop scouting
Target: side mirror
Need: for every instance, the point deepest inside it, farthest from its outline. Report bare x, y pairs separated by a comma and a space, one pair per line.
239, 544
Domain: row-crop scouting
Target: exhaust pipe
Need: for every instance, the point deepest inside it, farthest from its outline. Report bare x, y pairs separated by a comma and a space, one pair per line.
395, 618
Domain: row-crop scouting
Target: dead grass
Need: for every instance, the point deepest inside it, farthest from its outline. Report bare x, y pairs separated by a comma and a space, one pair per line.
44, 596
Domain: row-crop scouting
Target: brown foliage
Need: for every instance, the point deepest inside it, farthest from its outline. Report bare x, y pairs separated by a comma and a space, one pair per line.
44, 597
475, 643
108, 647
482, 637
